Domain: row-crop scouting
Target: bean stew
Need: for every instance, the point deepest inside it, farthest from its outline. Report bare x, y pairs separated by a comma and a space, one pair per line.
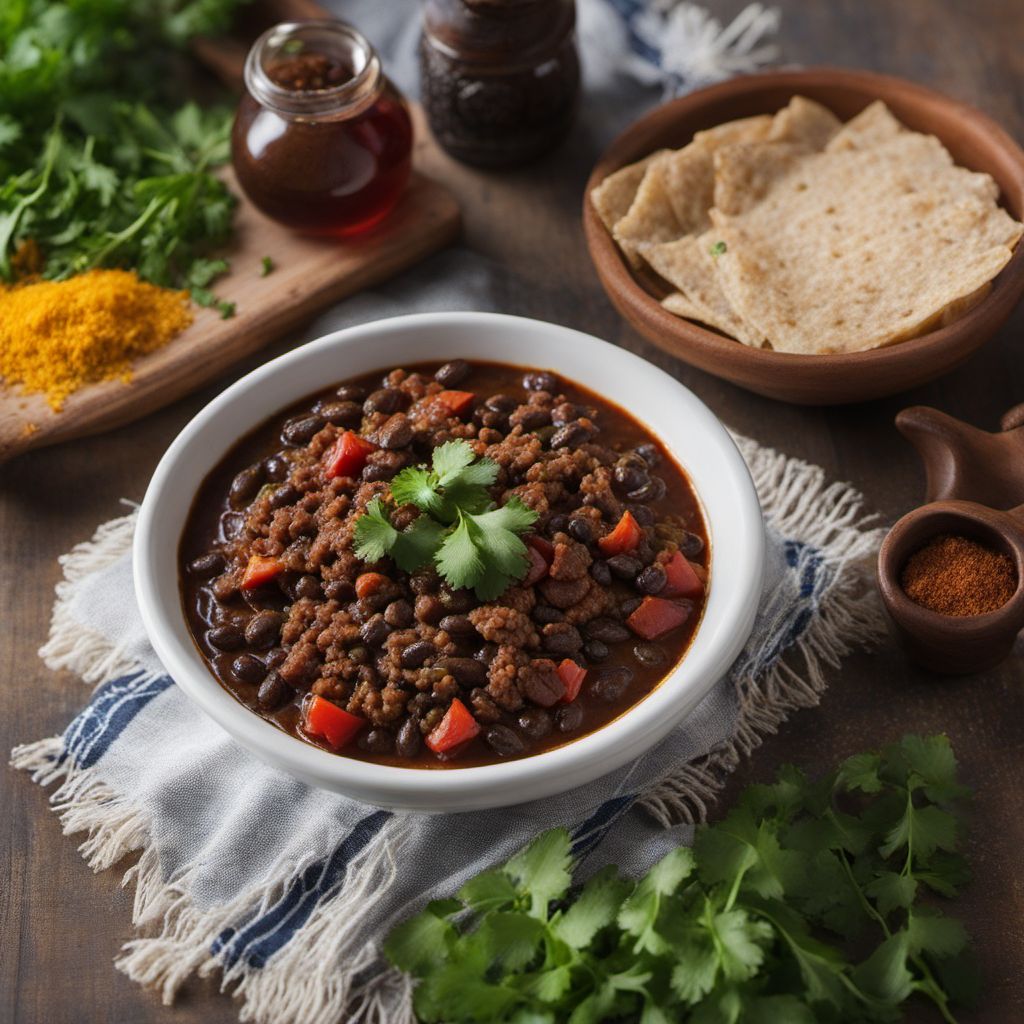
403, 668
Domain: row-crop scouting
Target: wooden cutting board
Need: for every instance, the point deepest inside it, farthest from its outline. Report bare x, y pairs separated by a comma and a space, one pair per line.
309, 275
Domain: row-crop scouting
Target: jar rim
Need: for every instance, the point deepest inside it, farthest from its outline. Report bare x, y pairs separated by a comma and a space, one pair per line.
345, 99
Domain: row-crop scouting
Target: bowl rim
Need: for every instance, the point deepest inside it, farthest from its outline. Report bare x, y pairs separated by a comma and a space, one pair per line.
471, 787
617, 277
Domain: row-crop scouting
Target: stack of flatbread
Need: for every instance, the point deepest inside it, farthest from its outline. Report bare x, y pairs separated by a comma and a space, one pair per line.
802, 234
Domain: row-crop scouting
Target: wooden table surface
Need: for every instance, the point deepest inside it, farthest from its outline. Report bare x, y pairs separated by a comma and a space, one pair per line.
62, 926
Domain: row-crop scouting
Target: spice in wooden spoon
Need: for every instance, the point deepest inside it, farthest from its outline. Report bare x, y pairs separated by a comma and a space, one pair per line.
958, 576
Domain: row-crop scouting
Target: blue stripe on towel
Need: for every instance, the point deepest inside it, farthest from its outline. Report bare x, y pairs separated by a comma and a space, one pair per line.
592, 831
265, 934
112, 707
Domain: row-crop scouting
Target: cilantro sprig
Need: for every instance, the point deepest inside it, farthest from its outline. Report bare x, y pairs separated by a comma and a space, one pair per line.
806, 903
471, 542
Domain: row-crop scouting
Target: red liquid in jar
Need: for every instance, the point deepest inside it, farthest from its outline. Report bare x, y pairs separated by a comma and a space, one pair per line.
324, 177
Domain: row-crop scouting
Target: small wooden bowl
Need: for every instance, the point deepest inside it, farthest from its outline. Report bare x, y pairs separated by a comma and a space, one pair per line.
975, 141
975, 488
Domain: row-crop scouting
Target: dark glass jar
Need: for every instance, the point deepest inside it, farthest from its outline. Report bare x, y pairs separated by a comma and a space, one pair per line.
322, 141
499, 78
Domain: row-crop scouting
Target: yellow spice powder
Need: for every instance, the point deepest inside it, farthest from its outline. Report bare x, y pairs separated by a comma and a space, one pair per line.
56, 336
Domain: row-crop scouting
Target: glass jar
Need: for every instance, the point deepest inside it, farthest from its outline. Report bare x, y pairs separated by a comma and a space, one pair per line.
499, 78
322, 141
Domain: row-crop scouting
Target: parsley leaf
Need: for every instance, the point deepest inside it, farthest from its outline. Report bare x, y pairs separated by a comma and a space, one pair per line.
766, 919
472, 543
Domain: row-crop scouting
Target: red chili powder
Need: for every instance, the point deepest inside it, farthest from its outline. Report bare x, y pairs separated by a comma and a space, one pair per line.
957, 576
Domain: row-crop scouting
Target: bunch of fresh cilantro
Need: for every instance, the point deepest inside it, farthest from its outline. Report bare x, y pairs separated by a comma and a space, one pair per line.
812, 901
100, 162
459, 530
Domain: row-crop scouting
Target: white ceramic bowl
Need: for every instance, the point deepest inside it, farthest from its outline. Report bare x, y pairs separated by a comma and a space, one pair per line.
685, 425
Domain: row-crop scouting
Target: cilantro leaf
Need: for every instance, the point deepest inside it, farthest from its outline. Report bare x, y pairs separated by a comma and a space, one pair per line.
416, 545
415, 485
374, 535
458, 559
449, 460
595, 908
542, 869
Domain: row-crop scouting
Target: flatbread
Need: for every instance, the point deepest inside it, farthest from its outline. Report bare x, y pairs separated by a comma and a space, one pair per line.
677, 188
614, 196
688, 265
874, 125
804, 123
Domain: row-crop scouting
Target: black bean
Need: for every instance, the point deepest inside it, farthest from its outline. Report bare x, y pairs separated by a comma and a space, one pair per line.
383, 465
600, 571
226, 638
273, 691
351, 392
231, 525
486, 653
396, 433
569, 436
557, 524
205, 566
625, 567
501, 403
642, 514
300, 430
532, 418
466, 671
563, 643
457, 625
544, 614
377, 741
307, 587
606, 630
629, 476
611, 683
339, 590
535, 722
651, 580
247, 669
649, 453
691, 544
654, 490
262, 630
595, 650
456, 601
504, 741
375, 631
276, 468
429, 609
341, 414
564, 413
417, 653
387, 400
452, 373
245, 485
581, 530
630, 605
409, 739
569, 718
399, 614
650, 655
540, 381
543, 687
283, 496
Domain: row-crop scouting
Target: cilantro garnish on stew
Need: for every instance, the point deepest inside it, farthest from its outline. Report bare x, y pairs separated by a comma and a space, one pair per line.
811, 901
472, 542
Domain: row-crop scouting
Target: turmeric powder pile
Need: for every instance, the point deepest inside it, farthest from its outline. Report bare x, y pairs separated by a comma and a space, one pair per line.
56, 336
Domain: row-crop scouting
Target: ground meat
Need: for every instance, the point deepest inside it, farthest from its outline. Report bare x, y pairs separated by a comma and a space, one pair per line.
564, 593
540, 683
501, 678
594, 602
571, 560
504, 625
522, 599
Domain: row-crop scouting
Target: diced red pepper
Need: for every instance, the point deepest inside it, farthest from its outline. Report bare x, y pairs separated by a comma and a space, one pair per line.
326, 720
457, 727
368, 583
347, 456
681, 578
626, 536
259, 570
540, 552
572, 676
456, 403
655, 617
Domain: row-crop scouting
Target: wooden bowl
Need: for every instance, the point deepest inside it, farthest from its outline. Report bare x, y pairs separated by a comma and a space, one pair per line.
974, 140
